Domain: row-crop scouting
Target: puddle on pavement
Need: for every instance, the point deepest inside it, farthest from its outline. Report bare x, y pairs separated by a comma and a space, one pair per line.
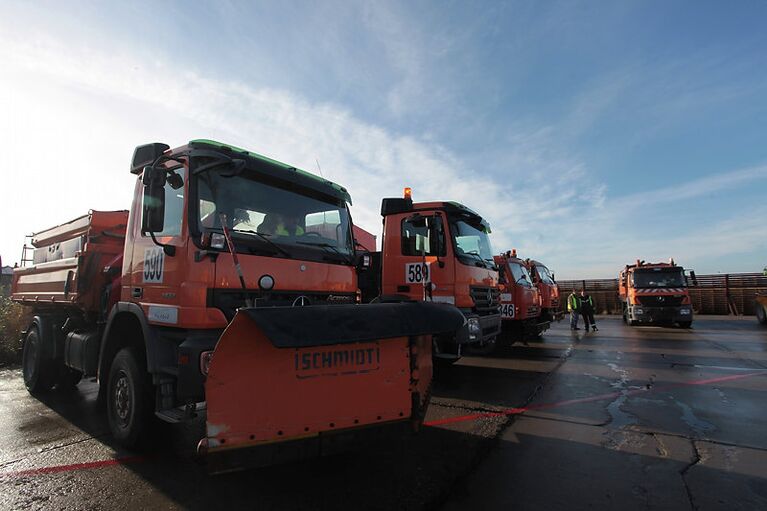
699, 426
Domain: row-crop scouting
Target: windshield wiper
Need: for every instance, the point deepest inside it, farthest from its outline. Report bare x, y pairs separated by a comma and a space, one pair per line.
266, 239
323, 244
478, 257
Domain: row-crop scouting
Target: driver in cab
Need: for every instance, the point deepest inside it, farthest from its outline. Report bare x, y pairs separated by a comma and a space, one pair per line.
276, 224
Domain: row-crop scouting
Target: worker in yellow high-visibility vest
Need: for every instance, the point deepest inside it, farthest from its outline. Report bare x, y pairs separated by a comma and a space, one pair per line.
574, 308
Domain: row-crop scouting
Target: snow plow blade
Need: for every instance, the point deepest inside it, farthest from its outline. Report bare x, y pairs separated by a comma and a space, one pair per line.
287, 383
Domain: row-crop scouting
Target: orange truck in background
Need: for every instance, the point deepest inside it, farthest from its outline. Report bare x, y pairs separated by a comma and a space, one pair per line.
439, 252
760, 306
655, 293
520, 300
548, 288
230, 288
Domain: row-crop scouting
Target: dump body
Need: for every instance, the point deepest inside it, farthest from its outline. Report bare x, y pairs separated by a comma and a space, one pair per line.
440, 252
156, 291
520, 300
548, 289
73, 262
655, 293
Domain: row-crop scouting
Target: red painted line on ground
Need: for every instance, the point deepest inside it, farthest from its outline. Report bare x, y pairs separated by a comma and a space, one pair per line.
600, 397
75, 466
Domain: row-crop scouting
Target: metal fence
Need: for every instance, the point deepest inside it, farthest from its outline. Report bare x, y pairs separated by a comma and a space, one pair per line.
731, 293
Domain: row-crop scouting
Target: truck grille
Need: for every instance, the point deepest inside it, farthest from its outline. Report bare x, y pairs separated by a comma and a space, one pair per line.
486, 299
229, 300
660, 301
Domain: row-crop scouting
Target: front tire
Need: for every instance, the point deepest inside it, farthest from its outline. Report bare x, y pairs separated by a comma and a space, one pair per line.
129, 398
37, 363
685, 324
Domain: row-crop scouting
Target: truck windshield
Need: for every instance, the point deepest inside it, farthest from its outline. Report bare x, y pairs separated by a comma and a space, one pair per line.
472, 244
659, 278
544, 274
520, 275
274, 218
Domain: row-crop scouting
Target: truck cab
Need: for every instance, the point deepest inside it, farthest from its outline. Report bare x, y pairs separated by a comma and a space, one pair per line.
441, 252
520, 300
655, 293
544, 281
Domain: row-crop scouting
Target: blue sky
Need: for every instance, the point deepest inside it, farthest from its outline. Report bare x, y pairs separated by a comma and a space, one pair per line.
589, 134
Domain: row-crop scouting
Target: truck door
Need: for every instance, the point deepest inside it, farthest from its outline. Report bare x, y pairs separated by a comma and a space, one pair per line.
422, 239
155, 276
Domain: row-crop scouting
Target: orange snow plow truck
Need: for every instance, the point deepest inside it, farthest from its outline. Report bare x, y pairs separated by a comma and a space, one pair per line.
230, 288
520, 300
438, 252
655, 293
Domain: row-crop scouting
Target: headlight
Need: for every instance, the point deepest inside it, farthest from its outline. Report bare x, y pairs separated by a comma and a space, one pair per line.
475, 329
685, 311
638, 311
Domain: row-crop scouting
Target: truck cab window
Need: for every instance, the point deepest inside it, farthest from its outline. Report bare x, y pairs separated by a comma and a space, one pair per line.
520, 275
428, 240
264, 213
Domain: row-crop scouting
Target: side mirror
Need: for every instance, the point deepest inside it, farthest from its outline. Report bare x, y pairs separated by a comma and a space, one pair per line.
153, 212
502, 275
145, 155
694, 278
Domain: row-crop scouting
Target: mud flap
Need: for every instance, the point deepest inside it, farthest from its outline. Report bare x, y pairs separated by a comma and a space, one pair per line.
293, 376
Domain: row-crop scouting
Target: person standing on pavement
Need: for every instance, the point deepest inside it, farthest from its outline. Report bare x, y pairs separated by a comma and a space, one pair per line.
573, 307
587, 311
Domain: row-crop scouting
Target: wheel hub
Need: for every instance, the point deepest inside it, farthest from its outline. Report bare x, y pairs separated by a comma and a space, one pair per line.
122, 397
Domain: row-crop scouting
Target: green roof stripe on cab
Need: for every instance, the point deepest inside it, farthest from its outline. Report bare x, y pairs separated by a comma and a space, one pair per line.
276, 163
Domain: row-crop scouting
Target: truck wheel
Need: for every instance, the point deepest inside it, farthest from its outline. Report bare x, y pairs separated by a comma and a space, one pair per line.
761, 314
685, 324
37, 363
129, 398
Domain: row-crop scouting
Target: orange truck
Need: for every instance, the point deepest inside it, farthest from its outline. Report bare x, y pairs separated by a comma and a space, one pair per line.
760, 306
520, 300
655, 293
439, 252
230, 289
543, 279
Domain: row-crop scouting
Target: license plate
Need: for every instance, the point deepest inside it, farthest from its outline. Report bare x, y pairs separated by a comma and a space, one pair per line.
507, 310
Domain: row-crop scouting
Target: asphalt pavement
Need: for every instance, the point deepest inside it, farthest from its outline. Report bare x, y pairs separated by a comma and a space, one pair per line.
629, 418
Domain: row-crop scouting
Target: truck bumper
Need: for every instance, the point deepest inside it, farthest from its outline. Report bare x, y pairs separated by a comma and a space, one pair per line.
552, 315
476, 330
644, 314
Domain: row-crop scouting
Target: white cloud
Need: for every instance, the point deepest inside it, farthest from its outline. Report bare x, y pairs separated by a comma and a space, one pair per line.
99, 106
